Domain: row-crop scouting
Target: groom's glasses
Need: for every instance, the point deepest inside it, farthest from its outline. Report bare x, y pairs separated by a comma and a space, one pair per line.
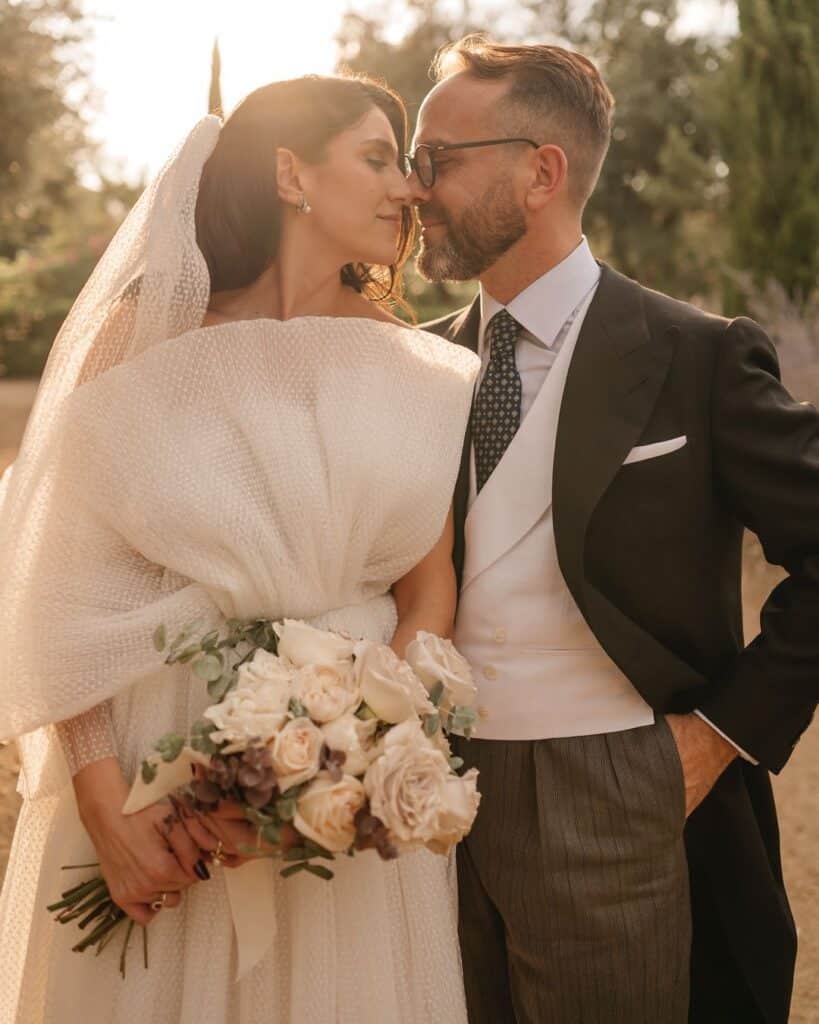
422, 161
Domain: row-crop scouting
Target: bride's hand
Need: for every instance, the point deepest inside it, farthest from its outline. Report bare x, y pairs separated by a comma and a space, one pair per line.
141, 855
227, 824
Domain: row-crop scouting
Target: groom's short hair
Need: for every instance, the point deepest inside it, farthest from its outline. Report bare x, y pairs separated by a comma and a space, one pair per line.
555, 95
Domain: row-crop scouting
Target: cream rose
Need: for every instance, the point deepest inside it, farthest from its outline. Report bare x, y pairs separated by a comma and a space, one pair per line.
407, 786
304, 645
355, 738
388, 685
436, 660
326, 810
326, 691
459, 805
297, 753
247, 713
265, 669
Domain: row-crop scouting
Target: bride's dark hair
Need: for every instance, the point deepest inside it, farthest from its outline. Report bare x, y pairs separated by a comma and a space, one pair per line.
238, 211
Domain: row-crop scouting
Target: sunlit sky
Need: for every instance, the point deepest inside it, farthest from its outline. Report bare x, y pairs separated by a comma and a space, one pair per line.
150, 60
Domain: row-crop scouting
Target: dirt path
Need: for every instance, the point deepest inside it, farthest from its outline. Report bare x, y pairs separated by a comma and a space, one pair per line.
797, 788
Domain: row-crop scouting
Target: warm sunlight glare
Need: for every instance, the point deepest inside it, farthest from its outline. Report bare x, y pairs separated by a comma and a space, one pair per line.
151, 63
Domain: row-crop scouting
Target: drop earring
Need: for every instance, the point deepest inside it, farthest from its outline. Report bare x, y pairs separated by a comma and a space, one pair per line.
303, 206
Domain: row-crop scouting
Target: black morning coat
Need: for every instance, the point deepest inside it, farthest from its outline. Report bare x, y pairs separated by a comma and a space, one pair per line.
652, 554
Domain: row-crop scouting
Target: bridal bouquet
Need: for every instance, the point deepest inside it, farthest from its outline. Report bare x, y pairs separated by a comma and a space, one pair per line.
330, 746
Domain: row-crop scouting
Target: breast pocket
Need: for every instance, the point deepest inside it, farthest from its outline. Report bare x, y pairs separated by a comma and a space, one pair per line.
642, 452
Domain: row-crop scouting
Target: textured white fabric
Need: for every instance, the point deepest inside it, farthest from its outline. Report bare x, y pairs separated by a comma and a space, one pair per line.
255, 469
87, 737
171, 472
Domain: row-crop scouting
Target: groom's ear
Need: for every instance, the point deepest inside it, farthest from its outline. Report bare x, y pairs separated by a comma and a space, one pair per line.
550, 172
287, 176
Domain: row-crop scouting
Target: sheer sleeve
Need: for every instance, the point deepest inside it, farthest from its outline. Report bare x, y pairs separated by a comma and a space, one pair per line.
88, 737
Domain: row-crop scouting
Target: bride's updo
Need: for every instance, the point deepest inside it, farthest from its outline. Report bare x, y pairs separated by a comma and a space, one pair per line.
238, 211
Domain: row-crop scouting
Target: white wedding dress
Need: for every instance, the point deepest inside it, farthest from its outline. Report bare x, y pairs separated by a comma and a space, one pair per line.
261, 468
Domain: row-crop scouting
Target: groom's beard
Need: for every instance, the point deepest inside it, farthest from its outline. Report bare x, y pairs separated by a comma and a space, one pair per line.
485, 231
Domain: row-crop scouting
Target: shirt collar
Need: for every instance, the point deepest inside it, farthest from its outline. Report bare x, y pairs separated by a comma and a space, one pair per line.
547, 303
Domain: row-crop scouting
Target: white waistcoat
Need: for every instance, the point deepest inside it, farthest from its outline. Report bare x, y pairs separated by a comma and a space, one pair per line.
540, 670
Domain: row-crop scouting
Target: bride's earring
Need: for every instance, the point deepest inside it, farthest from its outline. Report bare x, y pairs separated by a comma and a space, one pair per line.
303, 206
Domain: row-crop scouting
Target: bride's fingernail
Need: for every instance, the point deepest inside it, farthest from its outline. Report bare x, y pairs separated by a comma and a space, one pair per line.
202, 870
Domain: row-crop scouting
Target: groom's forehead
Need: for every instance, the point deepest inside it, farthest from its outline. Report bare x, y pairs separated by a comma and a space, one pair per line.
457, 105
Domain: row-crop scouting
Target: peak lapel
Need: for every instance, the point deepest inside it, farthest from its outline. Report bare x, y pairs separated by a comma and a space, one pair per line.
615, 377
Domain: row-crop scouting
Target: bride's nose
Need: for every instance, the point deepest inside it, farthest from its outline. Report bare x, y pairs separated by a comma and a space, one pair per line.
399, 191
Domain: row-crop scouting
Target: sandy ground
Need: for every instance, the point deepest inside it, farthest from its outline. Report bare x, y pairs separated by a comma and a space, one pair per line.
797, 788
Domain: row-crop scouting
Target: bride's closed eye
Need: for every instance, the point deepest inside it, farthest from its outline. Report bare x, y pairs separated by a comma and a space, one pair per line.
379, 165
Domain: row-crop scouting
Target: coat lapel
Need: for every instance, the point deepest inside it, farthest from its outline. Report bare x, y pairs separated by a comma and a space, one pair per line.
613, 384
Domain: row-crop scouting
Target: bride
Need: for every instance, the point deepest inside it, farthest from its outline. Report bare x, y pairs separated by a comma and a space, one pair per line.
231, 424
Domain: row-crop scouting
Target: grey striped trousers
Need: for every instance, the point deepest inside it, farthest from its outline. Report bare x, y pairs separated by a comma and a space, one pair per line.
573, 885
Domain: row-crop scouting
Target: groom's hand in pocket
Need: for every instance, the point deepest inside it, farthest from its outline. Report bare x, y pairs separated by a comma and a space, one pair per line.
704, 756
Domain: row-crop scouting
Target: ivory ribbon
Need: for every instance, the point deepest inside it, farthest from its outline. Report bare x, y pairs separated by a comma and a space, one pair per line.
249, 888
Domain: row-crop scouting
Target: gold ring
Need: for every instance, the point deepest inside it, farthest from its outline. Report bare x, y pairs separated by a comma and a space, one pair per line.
218, 855
160, 901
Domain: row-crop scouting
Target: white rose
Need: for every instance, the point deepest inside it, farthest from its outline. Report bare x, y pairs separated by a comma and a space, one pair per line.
326, 691
459, 805
407, 786
304, 645
326, 810
247, 713
355, 738
436, 660
297, 753
267, 670
388, 685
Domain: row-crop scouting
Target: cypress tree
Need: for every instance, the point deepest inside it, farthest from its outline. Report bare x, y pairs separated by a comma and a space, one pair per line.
215, 94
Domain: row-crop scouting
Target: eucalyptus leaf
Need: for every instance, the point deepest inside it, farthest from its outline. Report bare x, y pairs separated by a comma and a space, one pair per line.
210, 640
160, 638
293, 869
272, 834
365, 713
320, 871
218, 688
455, 763
169, 746
189, 654
296, 708
148, 772
286, 809
257, 817
210, 667
436, 693
431, 724
200, 736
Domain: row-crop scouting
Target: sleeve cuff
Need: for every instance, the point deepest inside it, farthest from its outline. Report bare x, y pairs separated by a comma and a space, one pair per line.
742, 753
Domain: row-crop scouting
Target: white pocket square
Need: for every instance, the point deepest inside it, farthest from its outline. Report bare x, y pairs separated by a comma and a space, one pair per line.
651, 451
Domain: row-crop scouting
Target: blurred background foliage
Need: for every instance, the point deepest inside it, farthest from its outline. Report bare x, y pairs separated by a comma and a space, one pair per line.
710, 190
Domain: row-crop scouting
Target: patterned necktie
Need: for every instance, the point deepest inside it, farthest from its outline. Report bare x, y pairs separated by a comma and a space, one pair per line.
496, 415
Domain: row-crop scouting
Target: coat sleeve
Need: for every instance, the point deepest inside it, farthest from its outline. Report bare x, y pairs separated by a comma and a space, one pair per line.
766, 465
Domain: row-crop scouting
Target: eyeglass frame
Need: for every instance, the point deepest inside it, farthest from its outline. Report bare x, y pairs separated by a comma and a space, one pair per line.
411, 162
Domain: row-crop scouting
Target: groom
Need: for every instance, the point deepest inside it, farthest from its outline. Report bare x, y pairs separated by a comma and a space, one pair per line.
620, 440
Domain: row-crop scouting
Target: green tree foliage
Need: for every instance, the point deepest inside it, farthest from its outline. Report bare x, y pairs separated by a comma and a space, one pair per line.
771, 128
53, 225
657, 211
